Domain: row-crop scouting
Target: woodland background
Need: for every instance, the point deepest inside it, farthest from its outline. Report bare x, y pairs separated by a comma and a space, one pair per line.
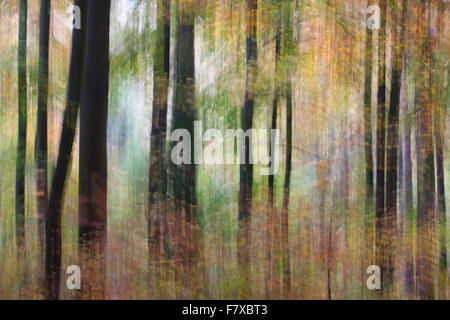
364, 149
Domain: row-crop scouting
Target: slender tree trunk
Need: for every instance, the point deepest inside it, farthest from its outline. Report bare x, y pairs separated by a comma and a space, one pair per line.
183, 177
368, 225
408, 213
380, 209
272, 215
285, 247
246, 168
22, 126
440, 113
41, 131
425, 159
391, 173
392, 148
92, 224
158, 161
53, 217
275, 106
21, 146
286, 196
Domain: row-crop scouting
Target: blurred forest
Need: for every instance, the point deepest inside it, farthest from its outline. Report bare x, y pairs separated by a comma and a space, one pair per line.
86, 177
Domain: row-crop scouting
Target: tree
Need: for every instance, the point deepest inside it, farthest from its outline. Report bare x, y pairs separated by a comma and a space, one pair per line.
425, 159
392, 143
380, 209
246, 167
41, 131
92, 223
286, 196
53, 217
368, 142
286, 260
440, 113
158, 160
22, 125
183, 177
272, 216
406, 120
407, 199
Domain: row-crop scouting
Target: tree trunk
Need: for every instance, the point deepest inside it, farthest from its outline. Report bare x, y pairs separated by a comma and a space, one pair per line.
183, 177
285, 247
272, 215
93, 158
22, 127
392, 149
380, 209
368, 225
41, 131
158, 160
246, 168
286, 195
21, 145
425, 160
440, 113
408, 213
53, 218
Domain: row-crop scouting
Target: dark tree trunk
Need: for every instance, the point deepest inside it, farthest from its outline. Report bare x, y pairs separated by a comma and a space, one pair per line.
392, 149
41, 131
92, 204
158, 161
246, 168
272, 215
285, 247
271, 177
21, 145
380, 209
22, 125
286, 195
425, 160
368, 225
53, 218
183, 178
